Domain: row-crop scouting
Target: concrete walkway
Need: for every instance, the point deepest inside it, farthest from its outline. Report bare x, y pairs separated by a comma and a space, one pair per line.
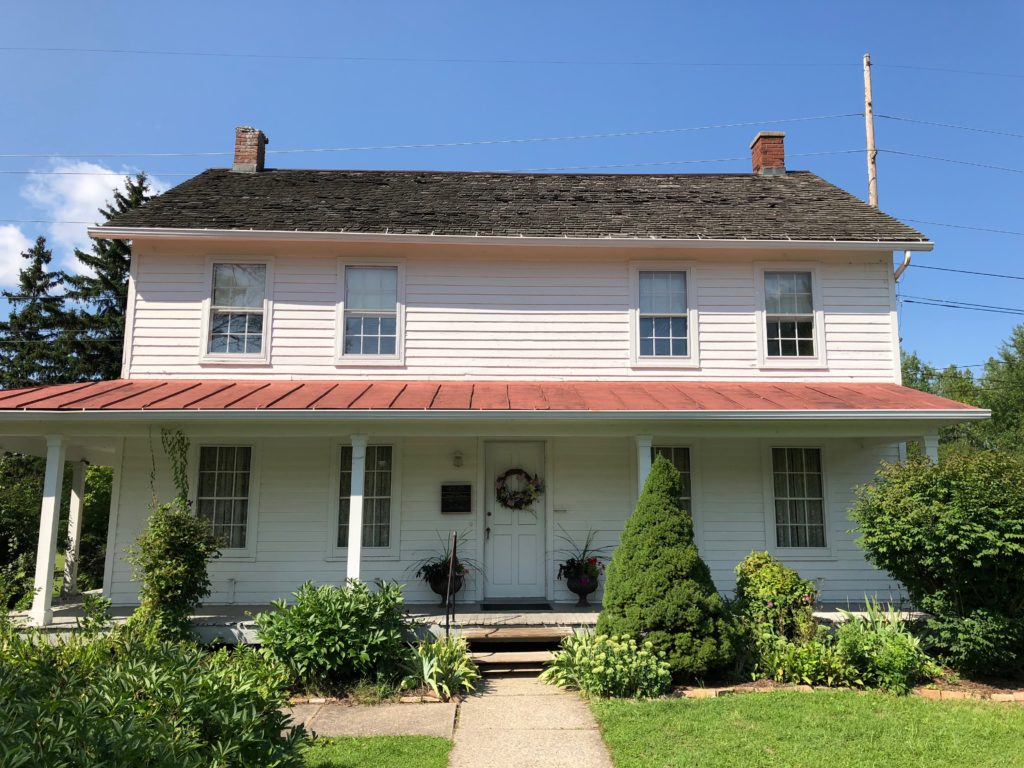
523, 722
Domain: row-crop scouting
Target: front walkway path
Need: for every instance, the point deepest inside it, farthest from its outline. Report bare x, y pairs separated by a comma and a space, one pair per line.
522, 722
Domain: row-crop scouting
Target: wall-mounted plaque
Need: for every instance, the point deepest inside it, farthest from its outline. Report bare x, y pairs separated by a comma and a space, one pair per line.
456, 498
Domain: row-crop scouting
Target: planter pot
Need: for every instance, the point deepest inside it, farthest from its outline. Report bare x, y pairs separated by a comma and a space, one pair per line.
440, 584
581, 586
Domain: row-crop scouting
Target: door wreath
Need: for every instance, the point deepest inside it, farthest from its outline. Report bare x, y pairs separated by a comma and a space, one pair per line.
521, 497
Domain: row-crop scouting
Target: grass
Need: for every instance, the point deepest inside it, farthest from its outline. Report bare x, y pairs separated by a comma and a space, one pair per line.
840, 729
378, 752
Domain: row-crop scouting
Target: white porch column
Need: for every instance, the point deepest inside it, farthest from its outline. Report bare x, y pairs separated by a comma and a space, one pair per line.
49, 515
643, 461
70, 586
930, 446
355, 507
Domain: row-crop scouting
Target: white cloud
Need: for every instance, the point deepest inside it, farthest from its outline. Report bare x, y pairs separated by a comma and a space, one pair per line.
12, 244
74, 192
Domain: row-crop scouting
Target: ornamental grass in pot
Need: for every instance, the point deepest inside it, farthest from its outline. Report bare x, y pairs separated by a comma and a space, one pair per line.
434, 570
582, 567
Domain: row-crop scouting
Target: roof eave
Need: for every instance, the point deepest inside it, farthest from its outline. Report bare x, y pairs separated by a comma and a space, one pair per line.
267, 235
952, 415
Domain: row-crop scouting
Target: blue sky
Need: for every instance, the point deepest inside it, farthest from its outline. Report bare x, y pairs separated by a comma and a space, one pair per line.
419, 73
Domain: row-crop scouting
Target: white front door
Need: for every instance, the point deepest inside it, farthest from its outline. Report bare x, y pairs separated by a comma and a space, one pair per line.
513, 538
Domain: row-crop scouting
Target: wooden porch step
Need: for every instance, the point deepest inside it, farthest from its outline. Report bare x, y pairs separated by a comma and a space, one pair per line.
511, 659
482, 635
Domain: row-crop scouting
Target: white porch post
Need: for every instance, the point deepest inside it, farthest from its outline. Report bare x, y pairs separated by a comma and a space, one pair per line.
49, 515
930, 446
643, 461
355, 507
70, 586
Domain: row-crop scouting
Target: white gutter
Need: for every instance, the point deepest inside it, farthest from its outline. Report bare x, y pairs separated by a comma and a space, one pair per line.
271, 235
952, 414
902, 267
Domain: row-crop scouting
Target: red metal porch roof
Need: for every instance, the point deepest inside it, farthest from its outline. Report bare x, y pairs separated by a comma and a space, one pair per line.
362, 395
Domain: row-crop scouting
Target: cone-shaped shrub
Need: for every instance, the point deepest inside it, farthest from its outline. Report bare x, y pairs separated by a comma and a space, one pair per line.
658, 588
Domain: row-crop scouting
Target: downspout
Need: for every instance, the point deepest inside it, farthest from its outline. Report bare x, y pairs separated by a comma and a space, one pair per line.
902, 267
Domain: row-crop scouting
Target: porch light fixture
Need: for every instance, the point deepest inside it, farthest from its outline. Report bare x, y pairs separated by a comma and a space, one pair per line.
457, 459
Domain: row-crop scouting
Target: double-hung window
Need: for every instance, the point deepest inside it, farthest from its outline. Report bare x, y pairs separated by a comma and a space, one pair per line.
799, 497
238, 310
377, 495
680, 458
789, 314
663, 330
222, 498
370, 317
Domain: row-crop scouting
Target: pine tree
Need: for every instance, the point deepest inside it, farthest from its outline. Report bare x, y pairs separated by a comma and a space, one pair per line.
659, 590
101, 292
33, 341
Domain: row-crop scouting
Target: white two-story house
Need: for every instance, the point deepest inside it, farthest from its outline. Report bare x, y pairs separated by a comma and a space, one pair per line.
357, 357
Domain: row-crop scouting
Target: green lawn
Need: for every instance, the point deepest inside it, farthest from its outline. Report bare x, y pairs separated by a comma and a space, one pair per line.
834, 729
379, 752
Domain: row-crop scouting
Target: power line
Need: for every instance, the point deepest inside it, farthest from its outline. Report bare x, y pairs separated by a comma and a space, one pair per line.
968, 272
952, 304
668, 162
952, 71
419, 59
449, 144
85, 173
951, 160
951, 125
962, 226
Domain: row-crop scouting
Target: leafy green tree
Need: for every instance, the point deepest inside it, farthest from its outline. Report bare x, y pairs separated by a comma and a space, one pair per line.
33, 342
1003, 394
101, 292
953, 534
660, 590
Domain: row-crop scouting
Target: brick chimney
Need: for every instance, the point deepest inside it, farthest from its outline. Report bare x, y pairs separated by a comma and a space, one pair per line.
250, 144
767, 153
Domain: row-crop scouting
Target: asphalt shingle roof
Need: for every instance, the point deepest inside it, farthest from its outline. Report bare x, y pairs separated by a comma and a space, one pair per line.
796, 206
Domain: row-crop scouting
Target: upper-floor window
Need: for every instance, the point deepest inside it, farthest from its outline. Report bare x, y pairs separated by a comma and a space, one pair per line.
370, 319
238, 309
663, 318
799, 496
789, 314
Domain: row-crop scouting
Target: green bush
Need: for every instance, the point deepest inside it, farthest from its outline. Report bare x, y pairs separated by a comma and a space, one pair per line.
811, 661
170, 559
767, 592
609, 667
122, 699
335, 636
443, 665
882, 650
658, 589
953, 534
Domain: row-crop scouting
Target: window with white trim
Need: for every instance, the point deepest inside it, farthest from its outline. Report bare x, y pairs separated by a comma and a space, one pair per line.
370, 323
237, 309
376, 496
799, 497
222, 497
680, 458
789, 314
663, 320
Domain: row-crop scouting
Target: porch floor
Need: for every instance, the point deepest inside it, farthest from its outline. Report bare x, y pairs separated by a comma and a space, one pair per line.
236, 623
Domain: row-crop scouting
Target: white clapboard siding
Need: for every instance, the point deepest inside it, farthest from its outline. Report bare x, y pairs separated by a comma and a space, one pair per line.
513, 314
592, 486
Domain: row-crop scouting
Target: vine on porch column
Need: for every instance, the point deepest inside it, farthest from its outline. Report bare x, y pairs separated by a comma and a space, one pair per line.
176, 446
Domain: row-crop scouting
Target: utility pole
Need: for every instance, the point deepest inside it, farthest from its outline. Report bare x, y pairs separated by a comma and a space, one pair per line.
869, 127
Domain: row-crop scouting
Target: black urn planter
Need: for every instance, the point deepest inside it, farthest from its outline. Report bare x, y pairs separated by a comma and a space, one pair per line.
439, 584
581, 585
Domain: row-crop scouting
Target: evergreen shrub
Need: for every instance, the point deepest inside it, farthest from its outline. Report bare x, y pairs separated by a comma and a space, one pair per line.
659, 590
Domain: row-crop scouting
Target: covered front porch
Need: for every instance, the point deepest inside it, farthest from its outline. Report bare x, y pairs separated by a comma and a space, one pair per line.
325, 495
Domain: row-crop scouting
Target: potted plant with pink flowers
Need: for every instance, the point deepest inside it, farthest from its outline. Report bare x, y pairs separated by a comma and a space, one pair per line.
582, 567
